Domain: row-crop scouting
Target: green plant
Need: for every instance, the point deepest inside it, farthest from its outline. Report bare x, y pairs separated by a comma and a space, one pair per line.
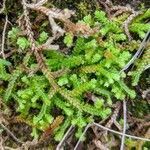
140, 66
43, 37
68, 40
22, 43
3, 73
14, 33
93, 66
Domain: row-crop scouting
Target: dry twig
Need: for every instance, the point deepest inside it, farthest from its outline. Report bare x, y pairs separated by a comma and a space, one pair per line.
38, 4
1, 143
123, 8
112, 119
100, 145
86, 128
106, 6
3, 7
110, 130
127, 22
10, 133
114, 116
64, 138
124, 124
34, 48
9, 148
138, 53
63, 16
28, 144
3, 37
53, 13
48, 45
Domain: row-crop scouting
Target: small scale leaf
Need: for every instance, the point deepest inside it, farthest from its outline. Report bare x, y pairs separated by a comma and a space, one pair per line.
23, 43
68, 40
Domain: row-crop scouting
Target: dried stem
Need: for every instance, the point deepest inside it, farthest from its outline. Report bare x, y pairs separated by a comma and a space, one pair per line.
63, 139
110, 130
53, 13
63, 16
100, 145
114, 116
86, 128
1, 143
40, 3
9, 148
3, 38
124, 125
123, 8
34, 48
3, 7
127, 23
138, 53
11, 134
106, 6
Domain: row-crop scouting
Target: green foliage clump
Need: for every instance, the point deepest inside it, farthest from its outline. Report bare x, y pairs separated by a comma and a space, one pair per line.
141, 66
14, 33
43, 37
93, 66
22, 43
139, 26
3, 73
68, 40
